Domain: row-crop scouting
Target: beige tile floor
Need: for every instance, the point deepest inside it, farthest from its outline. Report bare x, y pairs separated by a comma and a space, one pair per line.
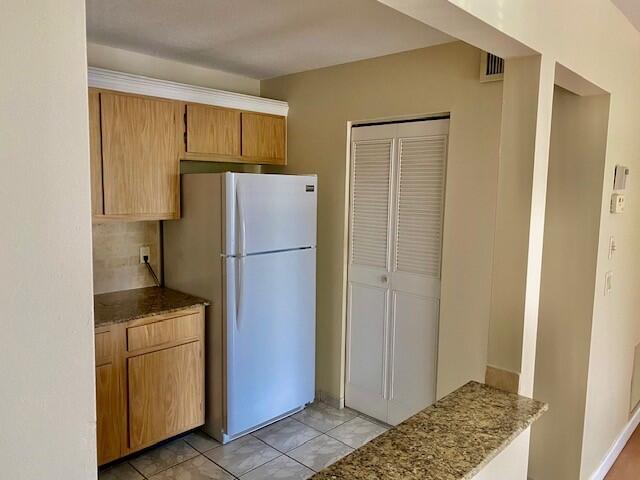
291, 449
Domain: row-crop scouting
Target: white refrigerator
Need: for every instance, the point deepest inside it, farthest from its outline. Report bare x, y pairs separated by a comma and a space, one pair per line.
247, 243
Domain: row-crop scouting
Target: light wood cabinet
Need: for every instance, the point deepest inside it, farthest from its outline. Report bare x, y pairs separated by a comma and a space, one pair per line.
149, 381
137, 142
165, 393
95, 153
141, 145
108, 413
109, 406
212, 130
182, 328
264, 138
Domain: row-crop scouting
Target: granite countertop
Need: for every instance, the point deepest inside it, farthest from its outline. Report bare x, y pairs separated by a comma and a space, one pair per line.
117, 307
452, 439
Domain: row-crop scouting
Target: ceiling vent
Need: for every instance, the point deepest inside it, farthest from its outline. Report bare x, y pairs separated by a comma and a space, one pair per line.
491, 67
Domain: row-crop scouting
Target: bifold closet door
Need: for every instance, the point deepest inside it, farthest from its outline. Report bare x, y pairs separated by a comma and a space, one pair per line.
397, 193
372, 153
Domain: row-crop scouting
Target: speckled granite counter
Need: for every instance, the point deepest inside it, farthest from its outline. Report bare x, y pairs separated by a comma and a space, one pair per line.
116, 307
450, 440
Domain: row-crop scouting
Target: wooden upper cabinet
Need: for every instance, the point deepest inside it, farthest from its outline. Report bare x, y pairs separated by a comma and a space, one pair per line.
95, 153
141, 146
264, 138
212, 130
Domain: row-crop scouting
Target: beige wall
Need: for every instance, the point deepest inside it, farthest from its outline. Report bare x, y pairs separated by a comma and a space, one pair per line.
581, 35
116, 255
432, 80
574, 189
511, 243
635, 381
111, 58
47, 413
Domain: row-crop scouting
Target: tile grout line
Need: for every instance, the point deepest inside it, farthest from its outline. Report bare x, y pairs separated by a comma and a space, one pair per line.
168, 468
216, 463
135, 469
254, 468
280, 452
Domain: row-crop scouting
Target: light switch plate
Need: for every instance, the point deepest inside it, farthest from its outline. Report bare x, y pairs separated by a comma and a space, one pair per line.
620, 177
617, 202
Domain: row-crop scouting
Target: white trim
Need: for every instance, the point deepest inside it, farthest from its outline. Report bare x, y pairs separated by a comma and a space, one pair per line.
127, 82
616, 448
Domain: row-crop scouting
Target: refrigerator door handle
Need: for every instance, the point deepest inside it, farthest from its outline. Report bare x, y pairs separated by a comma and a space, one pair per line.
241, 222
239, 289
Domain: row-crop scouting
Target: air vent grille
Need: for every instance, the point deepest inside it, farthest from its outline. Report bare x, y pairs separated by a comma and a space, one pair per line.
491, 67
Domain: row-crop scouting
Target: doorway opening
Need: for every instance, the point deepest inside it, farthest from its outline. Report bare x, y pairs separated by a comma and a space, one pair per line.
568, 282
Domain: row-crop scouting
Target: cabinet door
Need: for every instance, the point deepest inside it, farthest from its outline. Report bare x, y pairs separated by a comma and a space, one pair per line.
108, 413
263, 138
212, 130
95, 153
166, 393
141, 141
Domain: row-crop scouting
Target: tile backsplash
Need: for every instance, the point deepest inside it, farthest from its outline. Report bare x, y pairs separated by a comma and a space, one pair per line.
116, 255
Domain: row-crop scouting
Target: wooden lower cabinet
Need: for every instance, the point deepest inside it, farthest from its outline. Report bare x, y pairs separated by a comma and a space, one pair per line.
109, 414
148, 391
165, 393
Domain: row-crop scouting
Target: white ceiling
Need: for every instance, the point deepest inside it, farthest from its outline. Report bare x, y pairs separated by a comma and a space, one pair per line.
257, 38
631, 8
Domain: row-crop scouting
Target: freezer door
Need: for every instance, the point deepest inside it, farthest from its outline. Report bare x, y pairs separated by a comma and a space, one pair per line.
267, 213
270, 315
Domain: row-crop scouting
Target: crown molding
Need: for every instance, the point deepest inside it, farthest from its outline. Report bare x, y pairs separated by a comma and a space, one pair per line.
141, 85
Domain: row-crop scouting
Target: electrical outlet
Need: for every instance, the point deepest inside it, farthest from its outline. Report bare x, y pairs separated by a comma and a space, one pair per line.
145, 251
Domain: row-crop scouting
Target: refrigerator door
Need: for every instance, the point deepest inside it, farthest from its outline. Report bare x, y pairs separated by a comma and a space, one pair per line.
268, 213
270, 329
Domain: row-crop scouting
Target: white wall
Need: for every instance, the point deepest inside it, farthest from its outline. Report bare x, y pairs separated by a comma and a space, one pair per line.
595, 40
576, 162
438, 79
511, 244
111, 58
47, 404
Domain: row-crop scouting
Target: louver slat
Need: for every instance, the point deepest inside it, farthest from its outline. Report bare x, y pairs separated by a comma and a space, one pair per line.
420, 203
370, 209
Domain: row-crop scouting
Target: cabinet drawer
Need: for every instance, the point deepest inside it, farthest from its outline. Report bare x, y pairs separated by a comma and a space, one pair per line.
165, 331
103, 348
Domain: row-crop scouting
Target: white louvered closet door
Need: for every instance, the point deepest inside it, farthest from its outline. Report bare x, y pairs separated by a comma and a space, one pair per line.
397, 201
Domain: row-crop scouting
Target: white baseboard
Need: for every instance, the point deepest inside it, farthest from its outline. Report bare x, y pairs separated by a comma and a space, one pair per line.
617, 447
